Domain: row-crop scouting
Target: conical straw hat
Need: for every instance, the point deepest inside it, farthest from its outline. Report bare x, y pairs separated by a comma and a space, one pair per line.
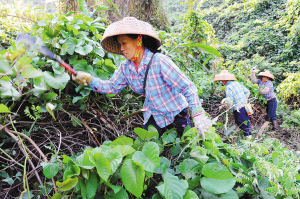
224, 75
128, 25
266, 74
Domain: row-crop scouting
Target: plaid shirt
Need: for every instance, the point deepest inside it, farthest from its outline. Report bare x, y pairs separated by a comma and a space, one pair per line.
267, 84
168, 90
236, 92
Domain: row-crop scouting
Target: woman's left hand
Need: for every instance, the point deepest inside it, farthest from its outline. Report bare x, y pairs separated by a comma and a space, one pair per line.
202, 124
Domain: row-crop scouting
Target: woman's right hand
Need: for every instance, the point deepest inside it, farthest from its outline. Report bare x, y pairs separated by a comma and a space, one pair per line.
254, 69
82, 78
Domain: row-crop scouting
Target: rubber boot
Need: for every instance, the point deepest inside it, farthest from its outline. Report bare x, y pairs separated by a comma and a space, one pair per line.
275, 125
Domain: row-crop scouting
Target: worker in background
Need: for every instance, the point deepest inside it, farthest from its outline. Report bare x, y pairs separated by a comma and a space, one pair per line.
236, 97
266, 88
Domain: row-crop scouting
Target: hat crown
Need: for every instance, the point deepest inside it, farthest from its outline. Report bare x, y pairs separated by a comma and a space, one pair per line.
267, 73
224, 75
128, 25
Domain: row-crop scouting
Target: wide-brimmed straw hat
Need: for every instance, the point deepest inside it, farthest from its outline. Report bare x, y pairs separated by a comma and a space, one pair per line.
224, 75
266, 74
128, 25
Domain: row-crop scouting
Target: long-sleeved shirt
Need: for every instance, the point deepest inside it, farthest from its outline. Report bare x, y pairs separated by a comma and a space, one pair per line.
168, 91
267, 84
237, 93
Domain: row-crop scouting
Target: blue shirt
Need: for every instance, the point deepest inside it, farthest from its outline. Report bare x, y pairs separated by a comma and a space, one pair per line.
237, 93
267, 84
168, 90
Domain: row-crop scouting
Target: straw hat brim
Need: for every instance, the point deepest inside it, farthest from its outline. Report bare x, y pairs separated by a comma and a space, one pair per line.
128, 25
266, 74
224, 76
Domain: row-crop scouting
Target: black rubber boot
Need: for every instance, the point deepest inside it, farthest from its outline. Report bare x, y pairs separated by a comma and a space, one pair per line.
275, 125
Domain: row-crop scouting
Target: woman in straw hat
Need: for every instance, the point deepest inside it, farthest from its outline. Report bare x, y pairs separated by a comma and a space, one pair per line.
168, 91
236, 97
266, 88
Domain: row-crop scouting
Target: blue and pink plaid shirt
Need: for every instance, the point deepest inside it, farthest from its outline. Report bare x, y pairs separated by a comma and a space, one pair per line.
237, 93
267, 84
168, 90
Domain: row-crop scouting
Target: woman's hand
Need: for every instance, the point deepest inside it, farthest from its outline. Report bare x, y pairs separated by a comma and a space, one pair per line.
202, 124
82, 78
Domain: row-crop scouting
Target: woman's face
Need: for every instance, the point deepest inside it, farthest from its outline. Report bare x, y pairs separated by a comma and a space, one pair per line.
264, 79
128, 46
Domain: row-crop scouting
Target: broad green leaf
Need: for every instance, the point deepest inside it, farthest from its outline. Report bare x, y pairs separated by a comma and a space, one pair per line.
71, 28
82, 187
132, 176
67, 184
121, 194
50, 169
85, 173
109, 66
169, 136
114, 158
76, 99
122, 141
208, 48
189, 168
31, 72
57, 82
49, 96
102, 165
42, 23
124, 149
91, 185
157, 196
93, 29
4, 68
217, 179
199, 154
99, 52
190, 195
57, 196
172, 188
83, 66
148, 157
72, 170
67, 160
71, 44
144, 134
84, 50
23, 63
230, 195
4, 109
84, 161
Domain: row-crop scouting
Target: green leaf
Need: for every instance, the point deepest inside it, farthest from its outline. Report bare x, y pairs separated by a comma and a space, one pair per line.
42, 23
217, 178
83, 7
120, 194
199, 154
144, 134
124, 149
4, 109
49, 96
109, 66
71, 44
83, 66
57, 196
50, 108
132, 176
172, 188
67, 184
4, 68
190, 195
71, 28
64, 49
84, 50
31, 72
122, 141
114, 158
91, 185
72, 170
50, 169
169, 136
84, 161
230, 195
148, 157
57, 82
189, 168
102, 165
75, 121
99, 52
208, 48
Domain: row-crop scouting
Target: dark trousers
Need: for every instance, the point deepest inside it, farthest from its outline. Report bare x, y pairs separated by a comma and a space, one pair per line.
240, 118
181, 120
271, 109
